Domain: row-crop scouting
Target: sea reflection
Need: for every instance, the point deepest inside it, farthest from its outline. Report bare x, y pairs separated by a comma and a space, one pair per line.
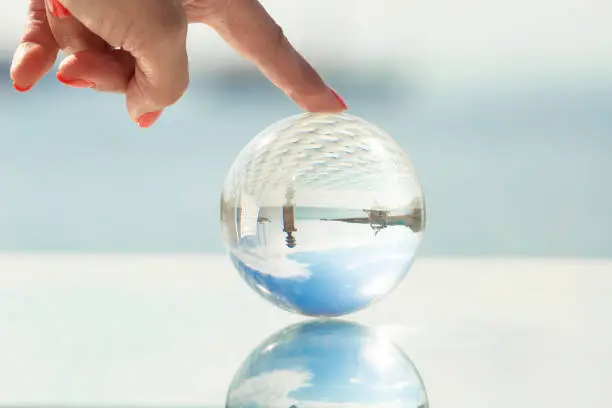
325, 261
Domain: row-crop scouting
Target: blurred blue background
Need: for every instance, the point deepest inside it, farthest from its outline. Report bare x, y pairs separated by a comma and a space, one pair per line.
504, 107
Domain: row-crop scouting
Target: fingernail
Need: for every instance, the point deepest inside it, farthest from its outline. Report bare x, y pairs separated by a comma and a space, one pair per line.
57, 9
148, 119
22, 88
75, 83
339, 99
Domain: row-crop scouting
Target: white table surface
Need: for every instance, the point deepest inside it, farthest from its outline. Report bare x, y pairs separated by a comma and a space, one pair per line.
95, 330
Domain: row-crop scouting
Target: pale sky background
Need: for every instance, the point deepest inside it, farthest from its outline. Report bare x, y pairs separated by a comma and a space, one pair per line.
477, 37
491, 87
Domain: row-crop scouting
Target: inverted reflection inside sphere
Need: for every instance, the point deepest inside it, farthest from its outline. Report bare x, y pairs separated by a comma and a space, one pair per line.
327, 364
322, 214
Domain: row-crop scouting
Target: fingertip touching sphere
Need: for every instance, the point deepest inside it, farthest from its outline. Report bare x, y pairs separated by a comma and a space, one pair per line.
322, 214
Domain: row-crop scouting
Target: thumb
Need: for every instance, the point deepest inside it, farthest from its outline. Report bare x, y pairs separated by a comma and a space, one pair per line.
161, 74
160, 79
154, 32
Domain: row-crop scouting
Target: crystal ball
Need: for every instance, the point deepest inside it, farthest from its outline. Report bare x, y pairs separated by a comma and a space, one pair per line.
322, 214
327, 364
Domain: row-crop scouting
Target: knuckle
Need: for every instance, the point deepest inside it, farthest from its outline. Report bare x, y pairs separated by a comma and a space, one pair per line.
174, 25
37, 30
160, 26
205, 10
170, 22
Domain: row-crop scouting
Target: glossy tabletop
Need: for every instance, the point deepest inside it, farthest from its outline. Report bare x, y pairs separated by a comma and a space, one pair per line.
141, 330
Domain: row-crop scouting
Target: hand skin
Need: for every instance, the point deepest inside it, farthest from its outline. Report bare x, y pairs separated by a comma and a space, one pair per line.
138, 48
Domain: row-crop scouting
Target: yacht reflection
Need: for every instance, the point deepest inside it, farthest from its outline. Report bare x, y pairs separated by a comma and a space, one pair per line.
327, 364
381, 219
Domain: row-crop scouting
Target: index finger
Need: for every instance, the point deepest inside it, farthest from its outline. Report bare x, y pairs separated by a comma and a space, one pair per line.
251, 31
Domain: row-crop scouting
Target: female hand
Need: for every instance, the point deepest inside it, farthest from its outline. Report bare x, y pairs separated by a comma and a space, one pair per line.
138, 47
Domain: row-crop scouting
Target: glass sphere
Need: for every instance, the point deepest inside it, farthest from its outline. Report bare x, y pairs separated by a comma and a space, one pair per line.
322, 214
327, 364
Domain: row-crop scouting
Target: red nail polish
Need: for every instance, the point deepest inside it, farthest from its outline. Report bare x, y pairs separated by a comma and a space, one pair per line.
148, 119
75, 83
339, 99
22, 88
57, 9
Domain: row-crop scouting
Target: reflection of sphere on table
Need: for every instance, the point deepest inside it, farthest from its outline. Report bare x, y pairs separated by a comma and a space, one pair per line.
322, 214
327, 364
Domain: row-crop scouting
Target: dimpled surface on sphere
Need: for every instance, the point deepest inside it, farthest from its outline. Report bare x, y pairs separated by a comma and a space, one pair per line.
327, 364
322, 214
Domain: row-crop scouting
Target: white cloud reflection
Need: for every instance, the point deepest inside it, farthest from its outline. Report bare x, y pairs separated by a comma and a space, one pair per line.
272, 389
